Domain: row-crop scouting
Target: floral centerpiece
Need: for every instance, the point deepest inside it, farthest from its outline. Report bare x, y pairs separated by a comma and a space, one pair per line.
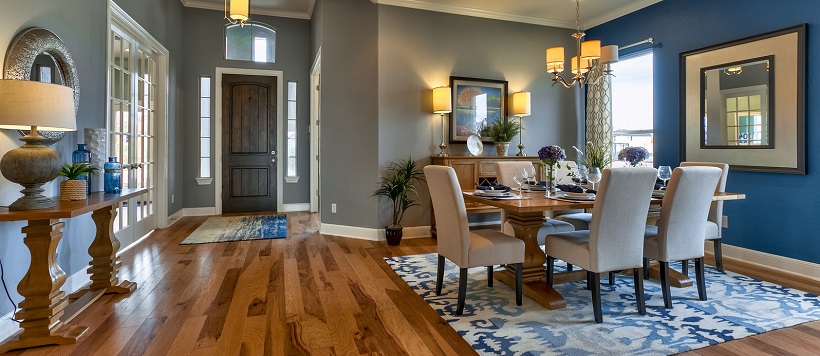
633, 155
550, 156
595, 157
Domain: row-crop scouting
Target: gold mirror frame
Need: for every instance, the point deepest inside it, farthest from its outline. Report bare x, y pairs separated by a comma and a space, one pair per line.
23, 50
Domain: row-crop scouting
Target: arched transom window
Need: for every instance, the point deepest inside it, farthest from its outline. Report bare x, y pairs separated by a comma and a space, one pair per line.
253, 42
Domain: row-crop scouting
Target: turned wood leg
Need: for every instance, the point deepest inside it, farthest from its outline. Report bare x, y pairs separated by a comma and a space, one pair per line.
103, 250
43, 302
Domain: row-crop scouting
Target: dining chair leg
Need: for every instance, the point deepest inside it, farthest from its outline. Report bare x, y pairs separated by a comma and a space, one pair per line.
637, 277
489, 276
667, 293
684, 267
569, 267
519, 272
596, 297
718, 254
645, 268
462, 291
440, 275
612, 278
589, 280
700, 276
550, 269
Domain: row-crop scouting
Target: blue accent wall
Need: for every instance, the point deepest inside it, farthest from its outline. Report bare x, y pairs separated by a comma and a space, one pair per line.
781, 213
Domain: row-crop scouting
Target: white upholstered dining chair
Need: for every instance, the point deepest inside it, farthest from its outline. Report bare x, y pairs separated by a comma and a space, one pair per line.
615, 238
463, 247
504, 174
682, 224
714, 226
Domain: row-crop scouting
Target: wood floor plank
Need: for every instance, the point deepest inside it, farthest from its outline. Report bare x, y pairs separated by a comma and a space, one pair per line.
306, 294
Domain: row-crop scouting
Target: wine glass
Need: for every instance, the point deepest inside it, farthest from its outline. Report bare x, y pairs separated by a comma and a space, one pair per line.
528, 173
664, 173
581, 172
594, 176
518, 178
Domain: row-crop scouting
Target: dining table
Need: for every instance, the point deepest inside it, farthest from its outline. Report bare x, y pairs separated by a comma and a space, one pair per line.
525, 213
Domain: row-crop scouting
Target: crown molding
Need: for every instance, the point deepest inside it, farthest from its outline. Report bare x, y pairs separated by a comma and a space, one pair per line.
621, 11
458, 10
254, 10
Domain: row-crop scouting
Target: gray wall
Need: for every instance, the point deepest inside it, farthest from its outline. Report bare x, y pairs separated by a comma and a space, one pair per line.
350, 125
415, 56
81, 24
204, 52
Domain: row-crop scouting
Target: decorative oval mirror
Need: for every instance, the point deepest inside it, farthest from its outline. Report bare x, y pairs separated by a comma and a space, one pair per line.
38, 54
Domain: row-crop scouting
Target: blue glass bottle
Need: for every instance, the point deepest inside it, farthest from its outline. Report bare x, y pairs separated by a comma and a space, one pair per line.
82, 155
113, 176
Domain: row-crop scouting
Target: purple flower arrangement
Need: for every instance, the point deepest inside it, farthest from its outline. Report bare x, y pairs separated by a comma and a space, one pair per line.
552, 154
633, 155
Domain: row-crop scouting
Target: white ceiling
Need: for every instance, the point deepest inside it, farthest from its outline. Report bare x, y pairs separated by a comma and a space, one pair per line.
558, 13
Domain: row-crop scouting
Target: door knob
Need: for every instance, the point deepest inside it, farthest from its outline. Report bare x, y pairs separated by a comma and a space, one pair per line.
273, 153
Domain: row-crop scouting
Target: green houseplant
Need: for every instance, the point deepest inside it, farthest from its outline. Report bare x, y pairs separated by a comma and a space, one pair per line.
596, 156
501, 132
74, 188
399, 185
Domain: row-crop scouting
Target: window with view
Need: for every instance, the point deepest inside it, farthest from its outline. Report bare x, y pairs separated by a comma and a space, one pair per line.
254, 42
204, 127
292, 129
632, 104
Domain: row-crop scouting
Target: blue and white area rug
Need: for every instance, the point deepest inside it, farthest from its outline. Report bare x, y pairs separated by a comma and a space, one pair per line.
738, 306
239, 228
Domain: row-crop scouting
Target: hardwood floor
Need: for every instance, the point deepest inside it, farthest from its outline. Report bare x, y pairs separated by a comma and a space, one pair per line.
307, 294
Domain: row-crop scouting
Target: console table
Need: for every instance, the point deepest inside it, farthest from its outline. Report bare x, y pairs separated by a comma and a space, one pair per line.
472, 171
45, 311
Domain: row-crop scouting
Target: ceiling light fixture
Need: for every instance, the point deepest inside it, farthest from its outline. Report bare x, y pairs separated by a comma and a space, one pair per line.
733, 70
589, 55
239, 12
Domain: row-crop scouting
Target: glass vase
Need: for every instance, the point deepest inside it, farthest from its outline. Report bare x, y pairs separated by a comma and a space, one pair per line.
113, 176
82, 155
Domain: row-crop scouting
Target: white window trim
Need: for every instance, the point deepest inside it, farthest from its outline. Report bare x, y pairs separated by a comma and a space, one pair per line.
291, 179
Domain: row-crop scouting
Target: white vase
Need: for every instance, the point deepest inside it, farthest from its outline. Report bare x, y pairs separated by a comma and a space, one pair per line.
95, 142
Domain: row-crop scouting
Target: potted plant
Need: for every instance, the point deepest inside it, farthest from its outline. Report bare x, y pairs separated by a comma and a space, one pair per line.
398, 185
74, 188
501, 132
595, 156
550, 157
633, 155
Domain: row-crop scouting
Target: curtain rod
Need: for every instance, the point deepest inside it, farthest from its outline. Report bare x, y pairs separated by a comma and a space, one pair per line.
648, 40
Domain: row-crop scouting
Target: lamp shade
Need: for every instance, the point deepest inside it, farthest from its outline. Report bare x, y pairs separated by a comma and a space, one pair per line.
609, 54
239, 10
585, 65
521, 103
442, 100
24, 104
591, 49
555, 55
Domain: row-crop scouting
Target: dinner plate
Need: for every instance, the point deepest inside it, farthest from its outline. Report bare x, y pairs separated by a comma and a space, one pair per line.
658, 193
537, 188
491, 193
576, 196
475, 145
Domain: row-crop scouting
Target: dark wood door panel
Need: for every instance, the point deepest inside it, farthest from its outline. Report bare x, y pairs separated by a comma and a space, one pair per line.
249, 182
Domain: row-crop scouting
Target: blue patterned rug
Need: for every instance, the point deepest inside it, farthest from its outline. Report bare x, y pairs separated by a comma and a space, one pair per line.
738, 306
239, 228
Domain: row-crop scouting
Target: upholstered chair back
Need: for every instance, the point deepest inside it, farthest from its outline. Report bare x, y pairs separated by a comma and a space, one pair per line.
452, 229
619, 218
504, 171
682, 224
716, 209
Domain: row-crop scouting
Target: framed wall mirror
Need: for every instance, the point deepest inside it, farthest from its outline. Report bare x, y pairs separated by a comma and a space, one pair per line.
742, 102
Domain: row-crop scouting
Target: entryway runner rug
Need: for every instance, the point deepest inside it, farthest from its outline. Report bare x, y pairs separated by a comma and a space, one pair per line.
738, 306
239, 228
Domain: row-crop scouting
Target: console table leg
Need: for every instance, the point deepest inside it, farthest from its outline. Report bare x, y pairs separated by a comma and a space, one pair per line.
43, 302
103, 250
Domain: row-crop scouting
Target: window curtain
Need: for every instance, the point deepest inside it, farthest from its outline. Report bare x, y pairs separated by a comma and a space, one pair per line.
599, 109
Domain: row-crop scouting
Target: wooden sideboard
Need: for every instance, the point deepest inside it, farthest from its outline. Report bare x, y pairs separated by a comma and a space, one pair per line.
472, 171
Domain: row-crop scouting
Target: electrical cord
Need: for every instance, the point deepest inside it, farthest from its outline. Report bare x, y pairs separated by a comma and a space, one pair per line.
3, 279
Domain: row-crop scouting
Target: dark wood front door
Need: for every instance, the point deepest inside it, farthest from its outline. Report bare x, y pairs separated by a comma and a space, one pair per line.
249, 143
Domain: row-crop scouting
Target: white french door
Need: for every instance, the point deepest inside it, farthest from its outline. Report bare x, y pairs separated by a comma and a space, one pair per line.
133, 73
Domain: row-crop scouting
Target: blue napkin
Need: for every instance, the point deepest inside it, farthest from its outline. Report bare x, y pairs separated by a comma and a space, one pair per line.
579, 180
573, 188
493, 186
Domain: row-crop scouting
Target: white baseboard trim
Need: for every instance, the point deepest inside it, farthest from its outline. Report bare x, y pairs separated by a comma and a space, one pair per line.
295, 207
206, 211
785, 264
174, 218
364, 233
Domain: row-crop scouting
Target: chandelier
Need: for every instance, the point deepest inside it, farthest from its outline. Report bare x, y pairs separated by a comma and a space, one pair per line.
589, 56
239, 12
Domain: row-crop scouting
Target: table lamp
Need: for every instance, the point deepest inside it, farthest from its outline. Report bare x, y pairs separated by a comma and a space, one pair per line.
36, 106
521, 108
442, 104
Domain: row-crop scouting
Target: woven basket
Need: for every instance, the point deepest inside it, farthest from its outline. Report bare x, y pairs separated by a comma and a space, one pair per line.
72, 189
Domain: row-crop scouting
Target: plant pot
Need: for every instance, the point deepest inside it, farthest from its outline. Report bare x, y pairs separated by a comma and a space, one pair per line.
72, 189
393, 235
502, 148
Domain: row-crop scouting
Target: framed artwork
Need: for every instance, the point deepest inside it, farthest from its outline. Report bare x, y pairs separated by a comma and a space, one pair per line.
743, 103
476, 103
